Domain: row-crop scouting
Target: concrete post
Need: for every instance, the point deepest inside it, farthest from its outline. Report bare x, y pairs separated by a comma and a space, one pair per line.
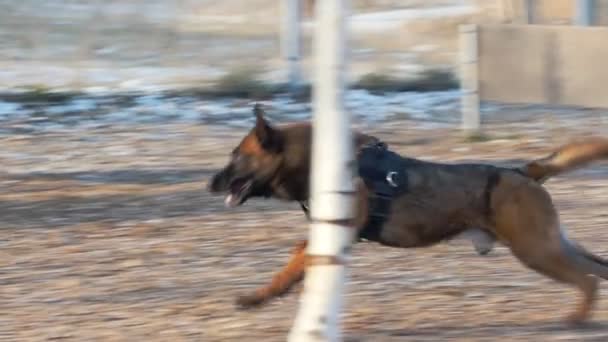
583, 15
469, 78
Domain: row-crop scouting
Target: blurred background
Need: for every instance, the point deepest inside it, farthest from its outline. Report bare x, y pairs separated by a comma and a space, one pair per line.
135, 43
113, 114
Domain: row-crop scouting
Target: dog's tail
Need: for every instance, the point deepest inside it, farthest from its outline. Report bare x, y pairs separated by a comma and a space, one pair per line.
566, 158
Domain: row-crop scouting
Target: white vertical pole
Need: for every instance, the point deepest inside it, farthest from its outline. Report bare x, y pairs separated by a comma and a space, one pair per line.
332, 189
584, 12
469, 78
290, 40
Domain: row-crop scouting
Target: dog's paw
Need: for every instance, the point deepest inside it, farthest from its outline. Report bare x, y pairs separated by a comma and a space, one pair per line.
249, 301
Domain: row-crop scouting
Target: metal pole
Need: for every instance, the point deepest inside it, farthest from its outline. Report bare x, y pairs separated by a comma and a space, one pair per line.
332, 188
290, 41
469, 78
584, 12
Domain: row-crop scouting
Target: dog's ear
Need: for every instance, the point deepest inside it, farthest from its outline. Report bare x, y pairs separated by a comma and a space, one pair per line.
269, 138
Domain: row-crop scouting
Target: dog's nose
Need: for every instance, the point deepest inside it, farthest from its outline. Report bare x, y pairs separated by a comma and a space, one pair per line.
219, 181
215, 182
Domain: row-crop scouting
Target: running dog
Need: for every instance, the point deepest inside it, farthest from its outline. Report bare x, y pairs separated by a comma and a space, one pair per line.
422, 203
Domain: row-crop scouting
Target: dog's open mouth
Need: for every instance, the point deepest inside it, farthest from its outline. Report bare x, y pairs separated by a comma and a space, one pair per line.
239, 189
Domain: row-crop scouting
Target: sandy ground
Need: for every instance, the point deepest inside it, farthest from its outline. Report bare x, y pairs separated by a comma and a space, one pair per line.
108, 234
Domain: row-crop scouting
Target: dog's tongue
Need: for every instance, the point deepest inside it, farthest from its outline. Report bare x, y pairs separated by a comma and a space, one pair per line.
231, 201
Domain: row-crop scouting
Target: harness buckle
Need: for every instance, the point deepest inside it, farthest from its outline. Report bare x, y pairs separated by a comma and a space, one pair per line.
390, 179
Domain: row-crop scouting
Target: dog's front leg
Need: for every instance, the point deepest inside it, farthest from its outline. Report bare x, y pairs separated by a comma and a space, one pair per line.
293, 271
289, 275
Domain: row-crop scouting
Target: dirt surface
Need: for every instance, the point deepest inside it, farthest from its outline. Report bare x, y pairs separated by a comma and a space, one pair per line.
108, 234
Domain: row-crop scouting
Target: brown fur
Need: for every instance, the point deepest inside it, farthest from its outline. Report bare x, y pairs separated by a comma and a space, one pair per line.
282, 281
443, 200
250, 146
568, 157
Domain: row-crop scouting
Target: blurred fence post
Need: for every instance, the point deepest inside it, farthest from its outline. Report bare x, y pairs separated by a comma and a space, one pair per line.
583, 15
529, 11
469, 78
290, 41
332, 188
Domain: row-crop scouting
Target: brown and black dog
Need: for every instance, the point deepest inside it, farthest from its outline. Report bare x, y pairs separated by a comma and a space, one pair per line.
441, 201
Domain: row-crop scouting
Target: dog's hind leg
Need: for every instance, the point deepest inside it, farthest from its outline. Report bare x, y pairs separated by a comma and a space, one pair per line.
556, 264
292, 273
527, 221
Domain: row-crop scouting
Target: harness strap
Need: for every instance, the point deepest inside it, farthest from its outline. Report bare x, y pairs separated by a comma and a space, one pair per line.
304, 206
384, 173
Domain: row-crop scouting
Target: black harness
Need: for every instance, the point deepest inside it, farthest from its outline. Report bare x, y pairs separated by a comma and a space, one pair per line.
384, 174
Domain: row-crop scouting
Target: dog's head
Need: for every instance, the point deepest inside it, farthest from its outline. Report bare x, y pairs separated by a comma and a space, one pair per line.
253, 164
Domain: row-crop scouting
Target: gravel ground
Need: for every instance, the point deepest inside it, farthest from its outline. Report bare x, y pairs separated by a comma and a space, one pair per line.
109, 235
